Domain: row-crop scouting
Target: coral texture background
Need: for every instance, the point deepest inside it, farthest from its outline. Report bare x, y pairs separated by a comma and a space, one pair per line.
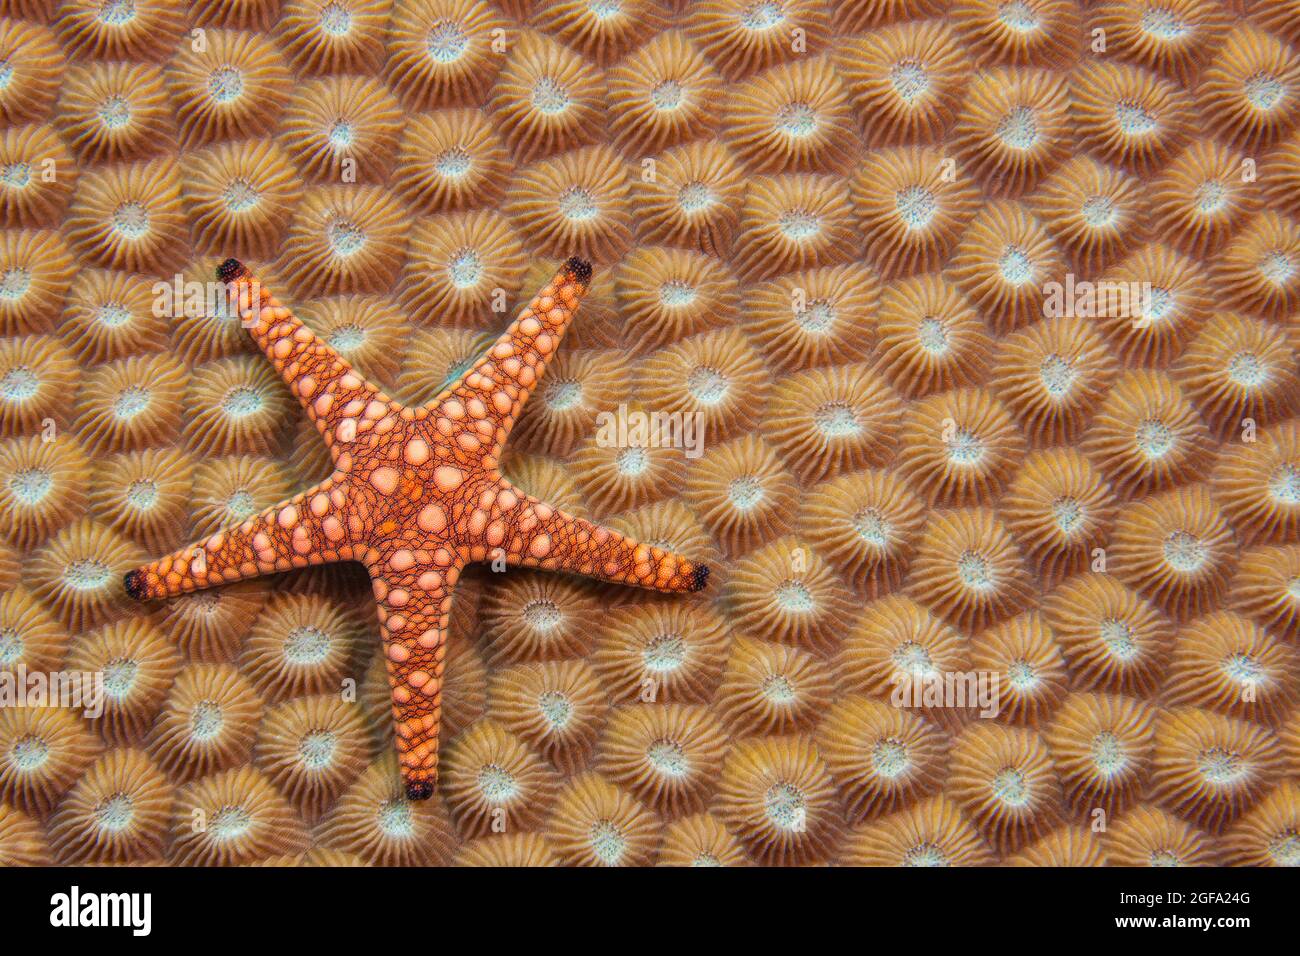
828, 228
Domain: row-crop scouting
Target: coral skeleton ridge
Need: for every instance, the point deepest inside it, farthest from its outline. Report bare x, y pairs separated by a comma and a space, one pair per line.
416, 494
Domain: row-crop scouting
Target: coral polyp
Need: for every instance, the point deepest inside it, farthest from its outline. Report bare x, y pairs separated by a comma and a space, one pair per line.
342, 129
138, 664
715, 379
931, 832
818, 317
546, 99
597, 824
673, 651
115, 112
904, 81
208, 724
668, 294
1267, 588
792, 118
1095, 212
1260, 267
233, 87
1249, 91
1202, 197
910, 209
700, 840
492, 781
1005, 780
1129, 117
660, 95
130, 217
374, 820
773, 689
1059, 507
831, 420
693, 199
451, 159
1148, 836
1171, 37
1258, 484
116, 813
43, 752
300, 644
867, 522
1239, 371
1101, 745
1026, 32
247, 820
333, 36
894, 647
882, 758
741, 37
32, 63
138, 30
742, 492
455, 266
344, 239
602, 32
1227, 663
574, 202
1176, 548
1003, 262
1013, 128
785, 592
794, 221
968, 569
75, 574
665, 755
554, 707
40, 491
1113, 639
1032, 676
1146, 435
1210, 769
234, 406
109, 315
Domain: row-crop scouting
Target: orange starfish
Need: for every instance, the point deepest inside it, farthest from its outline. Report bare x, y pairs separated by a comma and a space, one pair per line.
415, 495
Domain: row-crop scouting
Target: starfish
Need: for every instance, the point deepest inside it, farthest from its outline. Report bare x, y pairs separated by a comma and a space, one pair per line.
415, 495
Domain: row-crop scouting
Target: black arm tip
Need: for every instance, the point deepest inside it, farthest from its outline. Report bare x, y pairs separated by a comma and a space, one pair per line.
134, 582
419, 790
579, 268
230, 270
699, 577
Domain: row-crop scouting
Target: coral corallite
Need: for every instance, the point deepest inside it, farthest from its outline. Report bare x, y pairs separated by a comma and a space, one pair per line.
777, 795
1005, 781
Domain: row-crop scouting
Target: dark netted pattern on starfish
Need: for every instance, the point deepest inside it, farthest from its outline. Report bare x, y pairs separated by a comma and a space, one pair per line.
415, 495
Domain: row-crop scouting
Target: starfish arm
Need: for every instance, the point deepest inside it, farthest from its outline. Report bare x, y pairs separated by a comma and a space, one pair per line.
533, 534
336, 397
494, 389
414, 609
293, 534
